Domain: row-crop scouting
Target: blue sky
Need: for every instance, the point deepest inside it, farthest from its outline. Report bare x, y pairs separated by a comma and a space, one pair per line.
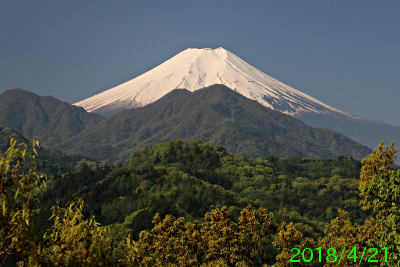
344, 53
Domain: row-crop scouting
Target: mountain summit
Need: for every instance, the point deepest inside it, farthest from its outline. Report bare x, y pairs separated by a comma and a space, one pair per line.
194, 69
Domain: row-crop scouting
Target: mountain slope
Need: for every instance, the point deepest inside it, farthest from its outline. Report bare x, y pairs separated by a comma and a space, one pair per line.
215, 114
367, 132
51, 120
194, 69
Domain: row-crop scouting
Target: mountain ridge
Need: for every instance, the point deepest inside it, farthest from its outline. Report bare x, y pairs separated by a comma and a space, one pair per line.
215, 114
46, 117
218, 115
367, 132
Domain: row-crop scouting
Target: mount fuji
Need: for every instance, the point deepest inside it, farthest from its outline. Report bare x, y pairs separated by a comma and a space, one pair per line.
194, 69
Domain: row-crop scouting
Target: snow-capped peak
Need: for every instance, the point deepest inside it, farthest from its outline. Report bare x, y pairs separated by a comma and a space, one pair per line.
194, 69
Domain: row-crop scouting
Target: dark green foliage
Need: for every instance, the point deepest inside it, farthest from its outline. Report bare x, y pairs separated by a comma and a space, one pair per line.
20, 187
189, 178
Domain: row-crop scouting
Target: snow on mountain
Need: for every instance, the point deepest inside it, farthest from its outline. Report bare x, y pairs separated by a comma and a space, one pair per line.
194, 69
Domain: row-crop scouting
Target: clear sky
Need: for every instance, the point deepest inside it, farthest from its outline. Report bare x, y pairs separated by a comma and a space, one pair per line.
344, 53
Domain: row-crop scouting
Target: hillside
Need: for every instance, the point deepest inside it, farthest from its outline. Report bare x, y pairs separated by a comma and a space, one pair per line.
217, 115
51, 120
190, 178
367, 132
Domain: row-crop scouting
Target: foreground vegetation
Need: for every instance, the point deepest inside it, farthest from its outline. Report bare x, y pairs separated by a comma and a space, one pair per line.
188, 179
181, 181
49, 162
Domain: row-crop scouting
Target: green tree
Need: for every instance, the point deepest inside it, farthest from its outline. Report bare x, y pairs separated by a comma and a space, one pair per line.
74, 241
287, 239
341, 234
20, 188
216, 242
70, 241
380, 190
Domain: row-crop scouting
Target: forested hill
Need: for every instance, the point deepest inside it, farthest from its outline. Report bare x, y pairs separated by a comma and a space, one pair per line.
49, 162
190, 178
51, 120
215, 114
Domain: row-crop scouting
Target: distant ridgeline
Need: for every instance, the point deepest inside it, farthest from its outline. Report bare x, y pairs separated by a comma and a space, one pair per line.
190, 178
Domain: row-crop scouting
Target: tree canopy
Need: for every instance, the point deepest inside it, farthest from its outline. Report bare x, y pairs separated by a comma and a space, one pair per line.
195, 176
